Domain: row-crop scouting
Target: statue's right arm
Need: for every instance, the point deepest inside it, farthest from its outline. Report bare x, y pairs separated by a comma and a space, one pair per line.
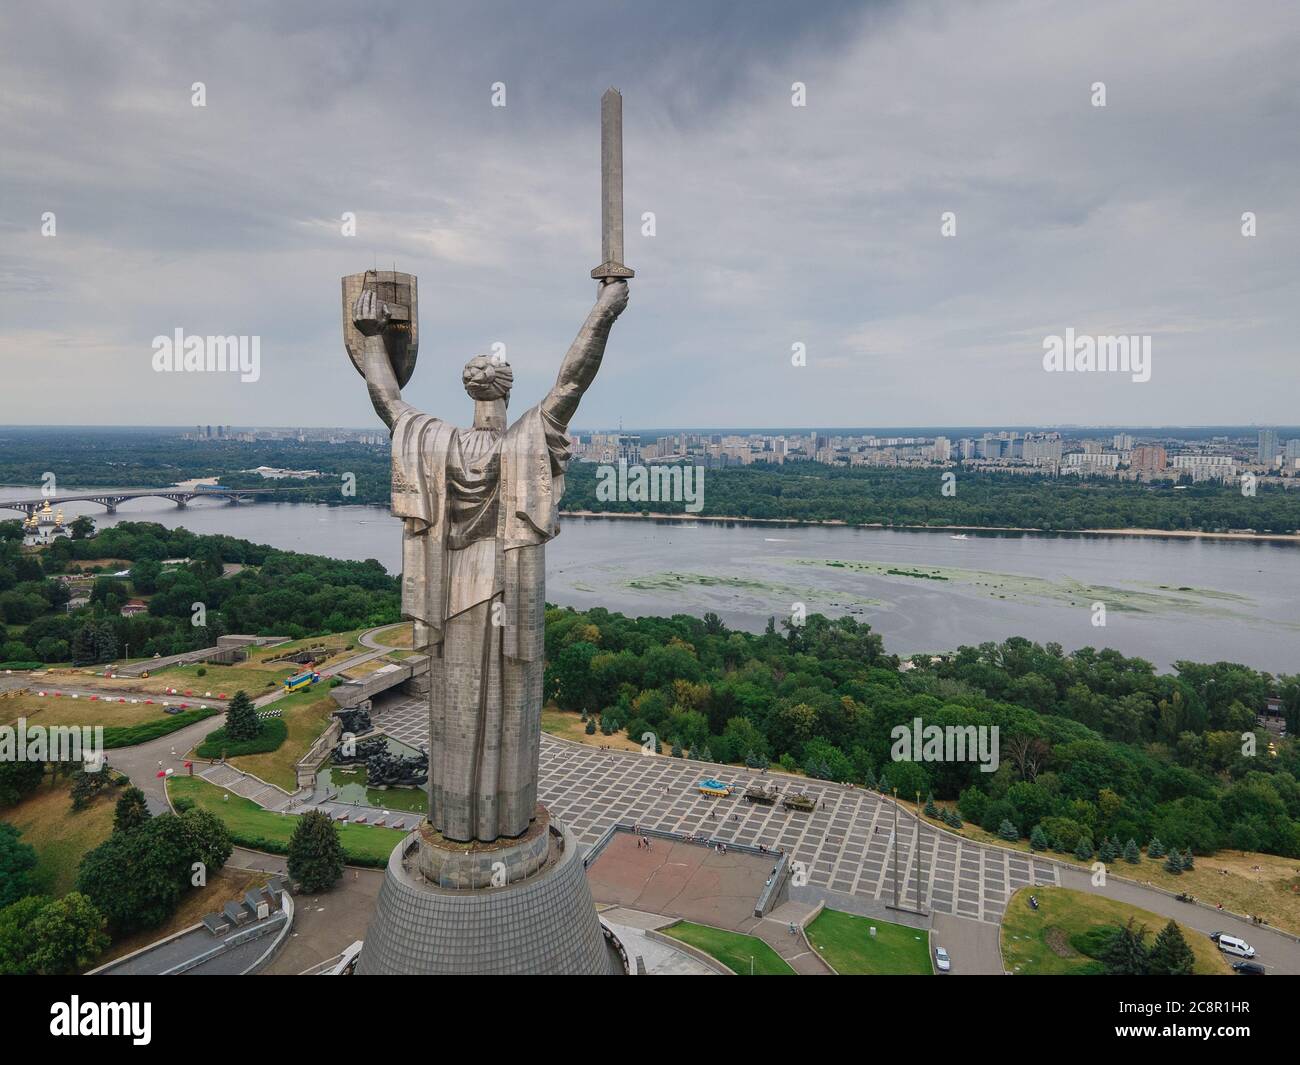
385, 392
370, 315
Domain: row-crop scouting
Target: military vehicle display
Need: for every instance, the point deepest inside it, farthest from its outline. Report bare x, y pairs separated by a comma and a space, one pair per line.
799, 800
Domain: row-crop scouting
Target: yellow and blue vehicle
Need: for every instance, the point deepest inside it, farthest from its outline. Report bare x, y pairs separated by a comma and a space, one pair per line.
301, 681
711, 786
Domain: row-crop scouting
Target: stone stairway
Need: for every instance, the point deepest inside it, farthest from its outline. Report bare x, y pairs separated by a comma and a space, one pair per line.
249, 787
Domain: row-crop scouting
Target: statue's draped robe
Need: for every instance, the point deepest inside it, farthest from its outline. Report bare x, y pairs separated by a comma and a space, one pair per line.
478, 506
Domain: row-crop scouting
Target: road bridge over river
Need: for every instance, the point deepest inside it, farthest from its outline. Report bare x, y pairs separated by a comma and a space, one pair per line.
111, 498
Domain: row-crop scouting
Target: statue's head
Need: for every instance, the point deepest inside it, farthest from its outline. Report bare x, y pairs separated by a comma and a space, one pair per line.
487, 378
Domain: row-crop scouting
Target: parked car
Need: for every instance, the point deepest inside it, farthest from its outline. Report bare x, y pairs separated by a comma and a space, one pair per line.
941, 960
1233, 945
1248, 968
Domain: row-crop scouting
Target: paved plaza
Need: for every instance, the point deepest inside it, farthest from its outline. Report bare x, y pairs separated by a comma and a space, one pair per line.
679, 880
844, 845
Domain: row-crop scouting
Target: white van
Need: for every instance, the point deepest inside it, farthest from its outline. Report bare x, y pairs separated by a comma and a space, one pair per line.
1238, 947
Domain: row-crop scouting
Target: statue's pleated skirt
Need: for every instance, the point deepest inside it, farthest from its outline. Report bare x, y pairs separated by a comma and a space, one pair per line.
485, 712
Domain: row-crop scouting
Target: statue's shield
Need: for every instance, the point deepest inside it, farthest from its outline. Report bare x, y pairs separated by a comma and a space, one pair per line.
402, 338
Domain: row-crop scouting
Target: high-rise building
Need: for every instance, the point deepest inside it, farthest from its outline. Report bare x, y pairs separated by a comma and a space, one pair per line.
1149, 458
1267, 453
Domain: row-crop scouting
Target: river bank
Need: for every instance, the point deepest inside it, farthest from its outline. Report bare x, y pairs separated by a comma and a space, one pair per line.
1187, 534
1169, 594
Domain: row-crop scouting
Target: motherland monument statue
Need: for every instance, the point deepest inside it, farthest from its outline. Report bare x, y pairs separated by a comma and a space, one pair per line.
498, 884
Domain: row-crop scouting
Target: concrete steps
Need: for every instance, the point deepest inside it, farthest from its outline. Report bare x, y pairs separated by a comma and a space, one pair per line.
249, 787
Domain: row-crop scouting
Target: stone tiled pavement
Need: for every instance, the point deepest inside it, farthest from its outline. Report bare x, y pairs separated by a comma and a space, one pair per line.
844, 845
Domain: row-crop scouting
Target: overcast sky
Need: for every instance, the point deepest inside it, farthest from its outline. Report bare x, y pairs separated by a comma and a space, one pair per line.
776, 224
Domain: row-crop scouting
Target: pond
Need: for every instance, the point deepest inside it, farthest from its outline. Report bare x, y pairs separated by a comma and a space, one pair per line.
348, 784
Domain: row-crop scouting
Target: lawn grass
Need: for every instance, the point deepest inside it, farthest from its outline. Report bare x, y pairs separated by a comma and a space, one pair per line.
1044, 941
124, 724
61, 837
845, 941
329, 639
306, 715
130, 735
568, 725
1243, 881
65, 710
253, 677
398, 635
218, 744
734, 950
251, 826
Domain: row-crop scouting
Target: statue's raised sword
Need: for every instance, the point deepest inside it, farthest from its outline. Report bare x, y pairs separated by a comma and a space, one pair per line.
611, 188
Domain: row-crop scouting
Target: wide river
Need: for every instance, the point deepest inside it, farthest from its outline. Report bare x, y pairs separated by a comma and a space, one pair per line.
1160, 598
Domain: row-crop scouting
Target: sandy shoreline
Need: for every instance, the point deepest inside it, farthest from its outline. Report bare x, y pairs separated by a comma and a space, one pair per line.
1182, 534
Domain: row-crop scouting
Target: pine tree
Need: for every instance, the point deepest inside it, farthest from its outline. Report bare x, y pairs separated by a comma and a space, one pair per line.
1084, 850
1008, 831
1131, 853
1170, 955
131, 811
1188, 861
677, 749
241, 718
1155, 849
1174, 863
591, 727
705, 755
315, 852
1108, 851
83, 645
930, 809
1038, 839
1126, 954
105, 643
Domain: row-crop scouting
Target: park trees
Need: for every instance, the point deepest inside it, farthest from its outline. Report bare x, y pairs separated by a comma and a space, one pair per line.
131, 810
315, 852
17, 860
1170, 955
1125, 954
68, 934
18, 779
242, 722
136, 877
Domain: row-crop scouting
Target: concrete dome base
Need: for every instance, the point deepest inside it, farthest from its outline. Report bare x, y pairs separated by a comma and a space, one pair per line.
543, 925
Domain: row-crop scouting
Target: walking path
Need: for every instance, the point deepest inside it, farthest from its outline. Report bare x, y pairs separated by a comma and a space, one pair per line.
774, 930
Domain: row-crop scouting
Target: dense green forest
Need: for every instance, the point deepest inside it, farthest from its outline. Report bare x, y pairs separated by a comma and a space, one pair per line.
276, 593
804, 491
1092, 744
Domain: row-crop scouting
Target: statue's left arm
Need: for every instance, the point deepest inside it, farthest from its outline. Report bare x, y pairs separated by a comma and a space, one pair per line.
585, 353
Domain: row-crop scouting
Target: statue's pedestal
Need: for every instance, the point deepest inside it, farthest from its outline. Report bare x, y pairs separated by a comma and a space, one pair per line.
522, 906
